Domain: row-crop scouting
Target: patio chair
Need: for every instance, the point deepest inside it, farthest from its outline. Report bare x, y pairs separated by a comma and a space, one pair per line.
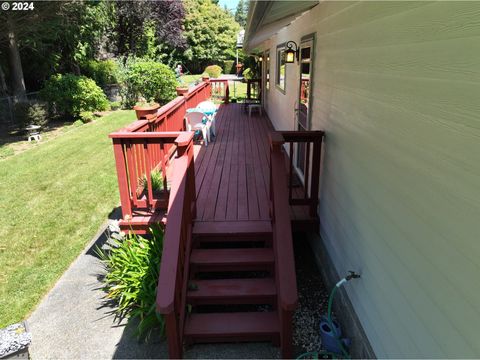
210, 109
195, 121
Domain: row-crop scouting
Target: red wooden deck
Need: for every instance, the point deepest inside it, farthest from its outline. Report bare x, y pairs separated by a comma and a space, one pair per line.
232, 172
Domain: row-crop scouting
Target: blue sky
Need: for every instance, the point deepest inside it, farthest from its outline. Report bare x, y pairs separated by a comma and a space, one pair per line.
231, 4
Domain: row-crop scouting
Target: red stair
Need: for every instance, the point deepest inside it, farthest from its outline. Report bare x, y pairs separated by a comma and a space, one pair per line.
232, 292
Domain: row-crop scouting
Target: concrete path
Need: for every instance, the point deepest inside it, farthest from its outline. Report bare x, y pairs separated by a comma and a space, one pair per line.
71, 323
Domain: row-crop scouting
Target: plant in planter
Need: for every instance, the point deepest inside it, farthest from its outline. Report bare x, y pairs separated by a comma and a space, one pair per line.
143, 108
182, 88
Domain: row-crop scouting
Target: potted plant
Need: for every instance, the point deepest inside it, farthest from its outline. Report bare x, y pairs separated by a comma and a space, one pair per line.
144, 108
182, 88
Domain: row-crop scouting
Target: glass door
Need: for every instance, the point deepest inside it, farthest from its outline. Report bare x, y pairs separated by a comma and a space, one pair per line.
302, 111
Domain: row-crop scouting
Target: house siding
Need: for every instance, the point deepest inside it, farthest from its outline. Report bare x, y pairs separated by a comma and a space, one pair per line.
397, 90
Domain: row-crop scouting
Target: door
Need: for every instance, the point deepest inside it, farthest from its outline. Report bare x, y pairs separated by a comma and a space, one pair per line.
303, 109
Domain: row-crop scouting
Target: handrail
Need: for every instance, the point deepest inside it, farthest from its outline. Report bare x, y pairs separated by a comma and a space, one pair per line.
312, 167
282, 244
147, 145
217, 85
173, 278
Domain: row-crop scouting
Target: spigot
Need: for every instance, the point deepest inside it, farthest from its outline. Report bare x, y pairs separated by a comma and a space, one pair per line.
352, 275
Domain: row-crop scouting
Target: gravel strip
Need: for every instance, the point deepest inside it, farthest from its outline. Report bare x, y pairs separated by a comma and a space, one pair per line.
313, 300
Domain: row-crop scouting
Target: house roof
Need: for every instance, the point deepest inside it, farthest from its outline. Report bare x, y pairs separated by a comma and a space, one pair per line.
265, 18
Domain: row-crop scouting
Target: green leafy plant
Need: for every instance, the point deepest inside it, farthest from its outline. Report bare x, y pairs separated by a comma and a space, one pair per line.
157, 181
214, 71
104, 72
151, 80
70, 95
133, 265
86, 116
228, 67
30, 113
115, 105
248, 74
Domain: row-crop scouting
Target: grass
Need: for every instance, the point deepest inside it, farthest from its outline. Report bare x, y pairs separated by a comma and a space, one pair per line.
239, 90
53, 198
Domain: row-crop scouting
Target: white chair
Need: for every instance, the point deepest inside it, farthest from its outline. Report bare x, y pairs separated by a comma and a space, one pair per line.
210, 108
194, 122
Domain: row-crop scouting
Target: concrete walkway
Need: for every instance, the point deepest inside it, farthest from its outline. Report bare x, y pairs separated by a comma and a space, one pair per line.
71, 322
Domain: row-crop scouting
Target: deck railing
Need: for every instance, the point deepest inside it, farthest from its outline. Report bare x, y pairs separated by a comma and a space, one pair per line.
145, 146
220, 90
173, 279
282, 244
312, 143
254, 88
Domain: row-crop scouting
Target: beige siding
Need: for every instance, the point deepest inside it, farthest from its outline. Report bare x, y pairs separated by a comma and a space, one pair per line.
397, 89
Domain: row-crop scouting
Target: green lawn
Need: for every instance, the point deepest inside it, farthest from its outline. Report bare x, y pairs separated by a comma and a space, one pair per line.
240, 90
53, 198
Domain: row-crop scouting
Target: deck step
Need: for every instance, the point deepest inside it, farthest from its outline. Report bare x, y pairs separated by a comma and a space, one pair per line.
232, 291
226, 327
229, 229
232, 259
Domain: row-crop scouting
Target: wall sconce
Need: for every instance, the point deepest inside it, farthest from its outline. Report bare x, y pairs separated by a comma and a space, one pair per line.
291, 53
260, 58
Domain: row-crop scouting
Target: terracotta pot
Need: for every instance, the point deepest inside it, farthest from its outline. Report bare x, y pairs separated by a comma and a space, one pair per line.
143, 110
182, 91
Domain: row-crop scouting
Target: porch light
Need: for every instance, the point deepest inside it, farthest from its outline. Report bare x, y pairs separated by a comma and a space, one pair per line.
260, 58
291, 53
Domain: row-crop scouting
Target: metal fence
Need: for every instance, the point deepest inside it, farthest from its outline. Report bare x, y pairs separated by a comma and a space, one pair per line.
8, 121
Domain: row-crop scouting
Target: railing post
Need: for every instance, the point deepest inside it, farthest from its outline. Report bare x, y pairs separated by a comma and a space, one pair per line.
173, 340
317, 153
185, 148
227, 93
122, 179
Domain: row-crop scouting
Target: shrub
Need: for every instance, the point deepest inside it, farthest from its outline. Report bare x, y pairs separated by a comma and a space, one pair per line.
104, 72
248, 74
214, 71
150, 80
115, 105
228, 67
86, 116
133, 265
70, 95
30, 113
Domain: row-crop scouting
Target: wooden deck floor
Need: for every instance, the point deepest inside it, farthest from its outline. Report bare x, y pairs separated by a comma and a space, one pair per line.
232, 172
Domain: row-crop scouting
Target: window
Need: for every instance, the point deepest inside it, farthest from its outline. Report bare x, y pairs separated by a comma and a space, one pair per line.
280, 69
267, 70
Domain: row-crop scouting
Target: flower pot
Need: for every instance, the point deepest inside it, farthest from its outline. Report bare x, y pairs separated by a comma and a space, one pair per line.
143, 110
182, 91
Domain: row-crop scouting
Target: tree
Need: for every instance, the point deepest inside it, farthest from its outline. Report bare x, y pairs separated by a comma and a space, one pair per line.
241, 13
135, 19
211, 34
14, 26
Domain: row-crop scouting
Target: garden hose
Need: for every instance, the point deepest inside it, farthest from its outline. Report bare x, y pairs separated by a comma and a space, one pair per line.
322, 354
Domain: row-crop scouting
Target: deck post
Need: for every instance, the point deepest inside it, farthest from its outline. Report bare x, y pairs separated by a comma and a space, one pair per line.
317, 153
122, 179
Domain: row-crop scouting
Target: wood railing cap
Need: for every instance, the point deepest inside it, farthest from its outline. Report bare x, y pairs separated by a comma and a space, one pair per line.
276, 138
184, 138
145, 135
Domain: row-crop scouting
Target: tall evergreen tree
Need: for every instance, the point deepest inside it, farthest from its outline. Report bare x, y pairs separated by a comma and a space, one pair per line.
241, 13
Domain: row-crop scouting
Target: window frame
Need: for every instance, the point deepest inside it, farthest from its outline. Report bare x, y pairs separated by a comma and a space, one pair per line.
280, 55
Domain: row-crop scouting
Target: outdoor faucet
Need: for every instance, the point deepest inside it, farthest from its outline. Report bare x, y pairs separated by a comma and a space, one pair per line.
350, 276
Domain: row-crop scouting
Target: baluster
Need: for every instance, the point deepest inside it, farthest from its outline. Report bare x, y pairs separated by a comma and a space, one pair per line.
307, 168
148, 173
291, 171
132, 171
